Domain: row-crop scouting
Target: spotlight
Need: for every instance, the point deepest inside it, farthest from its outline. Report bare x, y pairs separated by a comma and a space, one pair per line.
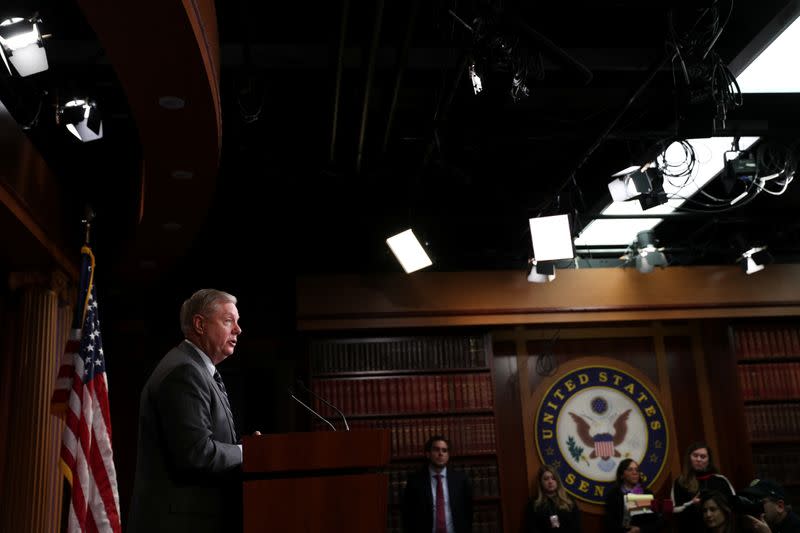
477, 86
755, 259
551, 238
408, 251
541, 272
647, 255
21, 44
629, 184
82, 119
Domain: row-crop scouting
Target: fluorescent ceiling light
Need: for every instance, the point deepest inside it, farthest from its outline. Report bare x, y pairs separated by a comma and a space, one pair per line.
408, 251
551, 238
772, 71
614, 231
709, 162
769, 72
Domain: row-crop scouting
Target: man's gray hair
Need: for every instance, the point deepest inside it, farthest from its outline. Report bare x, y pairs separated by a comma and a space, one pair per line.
202, 302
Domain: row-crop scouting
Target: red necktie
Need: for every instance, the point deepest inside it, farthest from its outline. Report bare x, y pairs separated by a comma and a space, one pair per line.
441, 522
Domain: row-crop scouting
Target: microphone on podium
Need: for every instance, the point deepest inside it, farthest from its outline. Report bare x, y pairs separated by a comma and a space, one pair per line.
326, 402
308, 408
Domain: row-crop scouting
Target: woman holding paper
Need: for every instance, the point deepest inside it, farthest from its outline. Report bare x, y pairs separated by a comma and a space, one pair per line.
628, 503
699, 474
553, 509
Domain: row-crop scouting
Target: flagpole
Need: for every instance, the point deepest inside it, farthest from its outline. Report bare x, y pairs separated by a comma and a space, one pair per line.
88, 218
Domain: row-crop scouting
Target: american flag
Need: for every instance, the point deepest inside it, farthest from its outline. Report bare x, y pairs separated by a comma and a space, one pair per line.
86, 454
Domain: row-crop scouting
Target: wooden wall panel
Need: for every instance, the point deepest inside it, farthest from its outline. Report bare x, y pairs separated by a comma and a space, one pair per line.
685, 400
733, 450
511, 453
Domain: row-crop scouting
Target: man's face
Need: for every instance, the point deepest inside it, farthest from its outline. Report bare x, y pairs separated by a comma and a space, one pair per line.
773, 511
218, 331
439, 454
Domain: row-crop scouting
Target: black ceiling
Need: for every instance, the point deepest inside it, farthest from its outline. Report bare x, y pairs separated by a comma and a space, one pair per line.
316, 172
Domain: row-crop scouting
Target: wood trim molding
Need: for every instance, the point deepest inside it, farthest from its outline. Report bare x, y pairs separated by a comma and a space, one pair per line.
578, 296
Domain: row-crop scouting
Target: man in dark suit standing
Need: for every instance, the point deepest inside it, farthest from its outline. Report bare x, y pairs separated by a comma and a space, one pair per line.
187, 462
437, 499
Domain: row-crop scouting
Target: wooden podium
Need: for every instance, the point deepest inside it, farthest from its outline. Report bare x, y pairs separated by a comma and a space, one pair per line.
316, 482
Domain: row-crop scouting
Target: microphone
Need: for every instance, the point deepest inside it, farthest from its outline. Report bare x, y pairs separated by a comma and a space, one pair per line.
326, 402
309, 409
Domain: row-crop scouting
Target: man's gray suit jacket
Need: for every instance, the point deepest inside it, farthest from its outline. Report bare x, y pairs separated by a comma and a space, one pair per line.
186, 469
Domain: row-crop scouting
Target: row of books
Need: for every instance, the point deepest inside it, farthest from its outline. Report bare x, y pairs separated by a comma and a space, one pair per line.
781, 464
468, 435
761, 342
483, 478
770, 381
485, 520
405, 394
773, 420
390, 354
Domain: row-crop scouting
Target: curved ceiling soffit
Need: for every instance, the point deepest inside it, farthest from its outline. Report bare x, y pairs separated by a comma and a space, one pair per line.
166, 48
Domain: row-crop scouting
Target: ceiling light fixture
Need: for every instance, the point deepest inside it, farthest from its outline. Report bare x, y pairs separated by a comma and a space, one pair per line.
755, 259
629, 184
477, 86
710, 162
647, 255
541, 272
82, 119
22, 45
767, 73
551, 238
408, 251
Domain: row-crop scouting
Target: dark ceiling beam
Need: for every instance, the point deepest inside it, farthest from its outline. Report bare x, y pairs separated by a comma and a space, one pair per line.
339, 69
401, 67
311, 56
376, 35
442, 109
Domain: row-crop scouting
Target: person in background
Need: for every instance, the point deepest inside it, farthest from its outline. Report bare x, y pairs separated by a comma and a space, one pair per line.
187, 467
437, 499
699, 474
619, 516
715, 508
778, 516
553, 509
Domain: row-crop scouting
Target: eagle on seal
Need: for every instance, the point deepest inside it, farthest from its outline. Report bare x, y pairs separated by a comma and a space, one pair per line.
603, 444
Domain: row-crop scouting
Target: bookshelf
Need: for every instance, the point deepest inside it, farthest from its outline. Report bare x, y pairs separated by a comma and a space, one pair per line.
768, 364
417, 386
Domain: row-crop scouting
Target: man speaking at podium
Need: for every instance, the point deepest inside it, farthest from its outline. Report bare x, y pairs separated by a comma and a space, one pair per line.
187, 461
437, 499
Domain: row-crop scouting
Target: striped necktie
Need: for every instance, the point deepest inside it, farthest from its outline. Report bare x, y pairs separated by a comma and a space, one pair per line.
226, 402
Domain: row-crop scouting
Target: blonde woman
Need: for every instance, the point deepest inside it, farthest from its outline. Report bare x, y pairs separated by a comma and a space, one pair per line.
553, 509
